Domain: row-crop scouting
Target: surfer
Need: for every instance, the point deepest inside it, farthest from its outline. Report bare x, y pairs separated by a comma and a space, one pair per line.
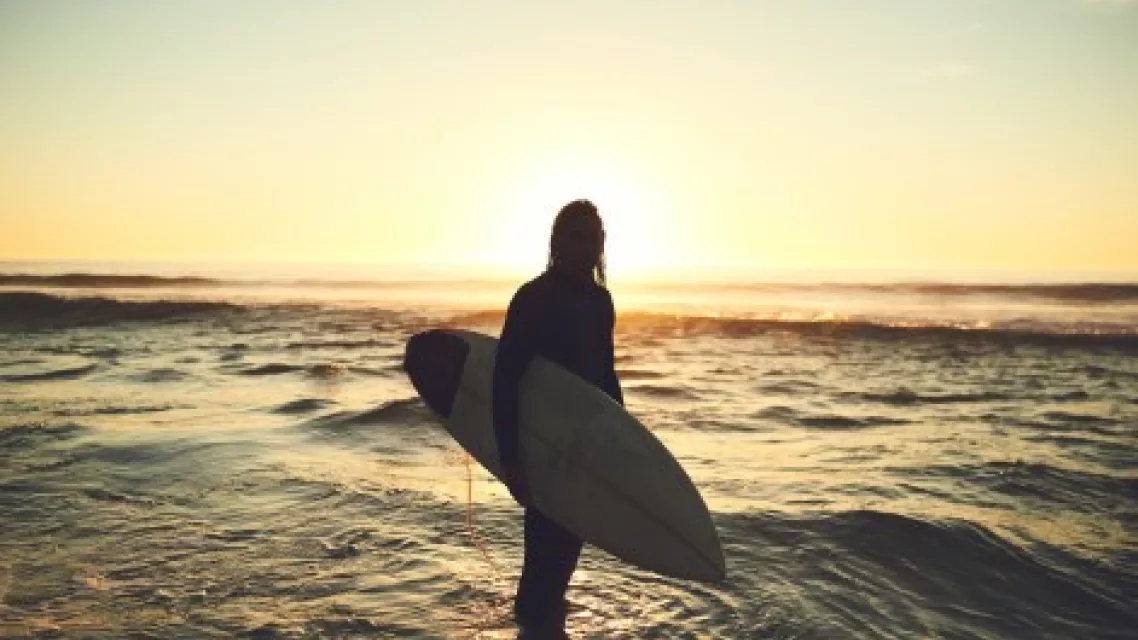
566, 315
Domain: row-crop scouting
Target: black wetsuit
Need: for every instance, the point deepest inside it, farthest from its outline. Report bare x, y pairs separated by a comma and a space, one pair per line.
570, 322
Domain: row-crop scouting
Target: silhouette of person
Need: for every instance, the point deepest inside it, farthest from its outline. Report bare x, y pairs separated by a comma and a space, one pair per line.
566, 315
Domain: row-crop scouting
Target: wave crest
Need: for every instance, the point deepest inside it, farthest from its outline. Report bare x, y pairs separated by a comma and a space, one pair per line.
30, 310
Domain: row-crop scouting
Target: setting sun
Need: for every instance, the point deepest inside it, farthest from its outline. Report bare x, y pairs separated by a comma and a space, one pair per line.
636, 215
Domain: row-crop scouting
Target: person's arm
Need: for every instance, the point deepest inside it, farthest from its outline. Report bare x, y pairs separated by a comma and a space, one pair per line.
612, 383
516, 348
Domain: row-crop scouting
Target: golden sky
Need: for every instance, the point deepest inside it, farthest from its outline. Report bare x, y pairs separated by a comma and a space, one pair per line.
915, 134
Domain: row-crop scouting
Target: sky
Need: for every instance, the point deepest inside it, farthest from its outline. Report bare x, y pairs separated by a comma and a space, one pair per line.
809, 134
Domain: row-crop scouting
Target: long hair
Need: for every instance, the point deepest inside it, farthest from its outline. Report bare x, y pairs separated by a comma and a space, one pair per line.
574, 209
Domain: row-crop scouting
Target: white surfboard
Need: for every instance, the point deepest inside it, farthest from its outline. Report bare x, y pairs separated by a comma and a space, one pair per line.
592, 467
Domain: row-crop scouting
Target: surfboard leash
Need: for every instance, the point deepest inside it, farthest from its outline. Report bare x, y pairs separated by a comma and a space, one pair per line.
470, 518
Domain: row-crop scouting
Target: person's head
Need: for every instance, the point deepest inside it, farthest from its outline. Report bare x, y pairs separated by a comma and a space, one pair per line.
577, 243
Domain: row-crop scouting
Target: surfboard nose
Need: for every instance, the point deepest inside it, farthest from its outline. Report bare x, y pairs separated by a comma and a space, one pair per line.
434, 362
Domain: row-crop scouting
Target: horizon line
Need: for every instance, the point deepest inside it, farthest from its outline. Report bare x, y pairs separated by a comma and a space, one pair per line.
481, 271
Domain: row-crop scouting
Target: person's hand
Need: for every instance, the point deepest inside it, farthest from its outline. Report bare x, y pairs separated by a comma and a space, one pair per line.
517, 482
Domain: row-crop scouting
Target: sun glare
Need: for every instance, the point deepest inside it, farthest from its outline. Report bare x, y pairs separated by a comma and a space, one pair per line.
636, 220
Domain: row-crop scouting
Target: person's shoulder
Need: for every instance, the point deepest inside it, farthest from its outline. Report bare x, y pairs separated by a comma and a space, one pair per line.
532, 289
535, 284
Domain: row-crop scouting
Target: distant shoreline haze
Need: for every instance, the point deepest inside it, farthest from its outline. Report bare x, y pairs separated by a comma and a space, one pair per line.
193, 273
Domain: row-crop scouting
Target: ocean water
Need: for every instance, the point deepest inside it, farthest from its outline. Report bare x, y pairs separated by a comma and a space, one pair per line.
240, 455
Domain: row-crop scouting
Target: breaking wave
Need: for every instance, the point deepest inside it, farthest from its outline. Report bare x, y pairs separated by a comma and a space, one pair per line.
45, 311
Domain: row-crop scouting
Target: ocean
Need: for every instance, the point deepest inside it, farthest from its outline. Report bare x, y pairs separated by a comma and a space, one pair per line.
212, 453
